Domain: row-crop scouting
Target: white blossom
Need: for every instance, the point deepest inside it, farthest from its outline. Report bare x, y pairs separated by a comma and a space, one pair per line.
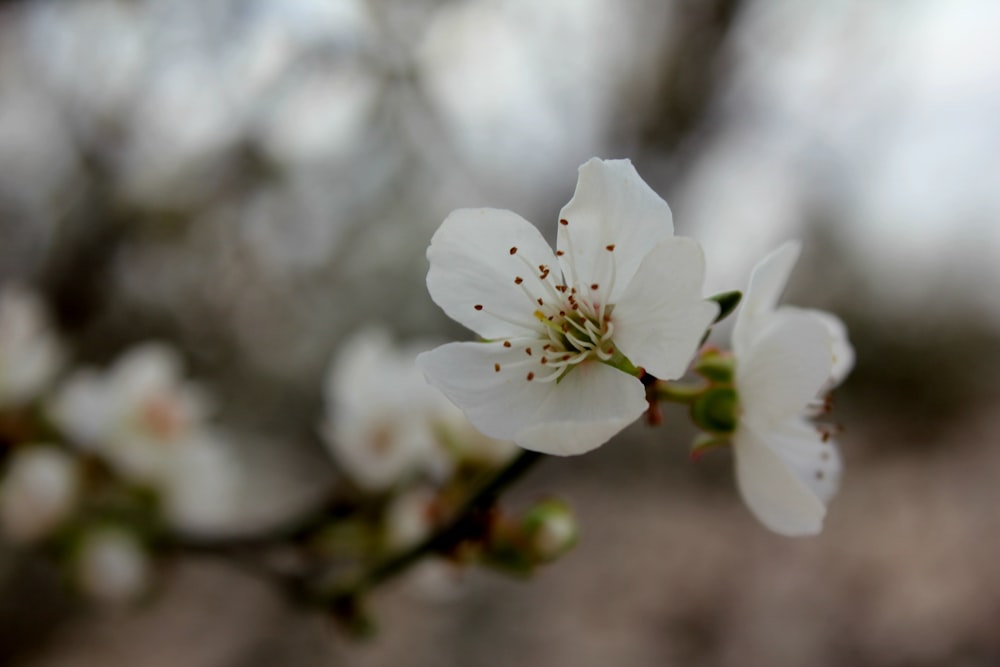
137, 414
112, 566
38, 492
787, 470
30, 354
560, 329
385, 422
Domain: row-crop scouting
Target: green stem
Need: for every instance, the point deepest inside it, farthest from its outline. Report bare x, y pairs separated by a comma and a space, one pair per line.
678, 392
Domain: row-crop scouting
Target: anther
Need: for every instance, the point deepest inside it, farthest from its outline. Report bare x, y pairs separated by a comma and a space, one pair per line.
563, 222
540, 302
518, 280
513, 250
609, 248
528, 351
545, 360
478, 306
531, 376
559, 253
496, 367
594, 286
506, 343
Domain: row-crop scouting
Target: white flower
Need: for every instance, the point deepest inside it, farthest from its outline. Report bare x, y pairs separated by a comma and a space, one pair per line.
112, 567
786, 470
37, 493
620, 285
386, 422
29, 352
761, 300
137, 414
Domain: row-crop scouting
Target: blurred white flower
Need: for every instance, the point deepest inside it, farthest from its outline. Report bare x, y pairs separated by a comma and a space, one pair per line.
559, 328
38, 492
29, 352
410, 517
786, 469
149, 423
384, 421
112, 566
137, 415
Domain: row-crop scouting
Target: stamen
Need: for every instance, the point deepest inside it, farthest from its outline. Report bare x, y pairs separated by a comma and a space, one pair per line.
513, 250
531, 376
496, 367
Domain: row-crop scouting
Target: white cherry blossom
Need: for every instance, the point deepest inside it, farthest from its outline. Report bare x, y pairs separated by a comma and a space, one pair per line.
385, 422
38, 492
559, 328
787, 470
137, 414
30, 354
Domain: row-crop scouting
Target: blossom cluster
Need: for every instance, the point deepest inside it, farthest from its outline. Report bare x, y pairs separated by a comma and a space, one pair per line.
574, 344
110, 467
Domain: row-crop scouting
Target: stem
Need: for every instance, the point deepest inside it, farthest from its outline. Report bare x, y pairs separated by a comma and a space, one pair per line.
678, 392
462, 526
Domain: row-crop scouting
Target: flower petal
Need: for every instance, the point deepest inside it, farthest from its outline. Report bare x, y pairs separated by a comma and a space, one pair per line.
475, 257
611, 208
772, 490
784, 368
580, 412
660, 319
815, 461
767, 282
843, 351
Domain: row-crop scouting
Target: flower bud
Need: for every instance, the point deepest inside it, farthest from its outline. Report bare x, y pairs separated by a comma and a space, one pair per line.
111, 566
551, 529
37, 493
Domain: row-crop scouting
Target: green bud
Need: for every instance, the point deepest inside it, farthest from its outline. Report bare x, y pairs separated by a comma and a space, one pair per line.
715, 410
551, 529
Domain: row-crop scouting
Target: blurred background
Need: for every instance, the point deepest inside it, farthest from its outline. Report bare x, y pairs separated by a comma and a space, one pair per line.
253, 180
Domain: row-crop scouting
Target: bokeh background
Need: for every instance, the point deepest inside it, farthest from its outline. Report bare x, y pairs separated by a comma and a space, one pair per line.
253, 180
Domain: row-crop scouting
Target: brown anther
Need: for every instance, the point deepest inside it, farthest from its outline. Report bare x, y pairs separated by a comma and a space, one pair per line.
513, 250
561, 288
478, 306
824, 436
518, 280
610, 247
528, 351
594, 286
496, 367
531, 376
563, 222
610, 350
559, 253
566, 357
562, 313
607, 317
506, 343
545, 360
565, 328
540, 302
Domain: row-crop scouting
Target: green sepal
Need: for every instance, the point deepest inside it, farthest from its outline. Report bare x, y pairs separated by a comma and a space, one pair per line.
715, 367
715, 410
727, 303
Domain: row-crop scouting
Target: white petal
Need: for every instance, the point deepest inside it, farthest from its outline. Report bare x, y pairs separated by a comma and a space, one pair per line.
767, 282
816, 463
612, 205
784, 368
843, 351
85, 409
772, 490
660, 319
575, 415
147, 369
473, 263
